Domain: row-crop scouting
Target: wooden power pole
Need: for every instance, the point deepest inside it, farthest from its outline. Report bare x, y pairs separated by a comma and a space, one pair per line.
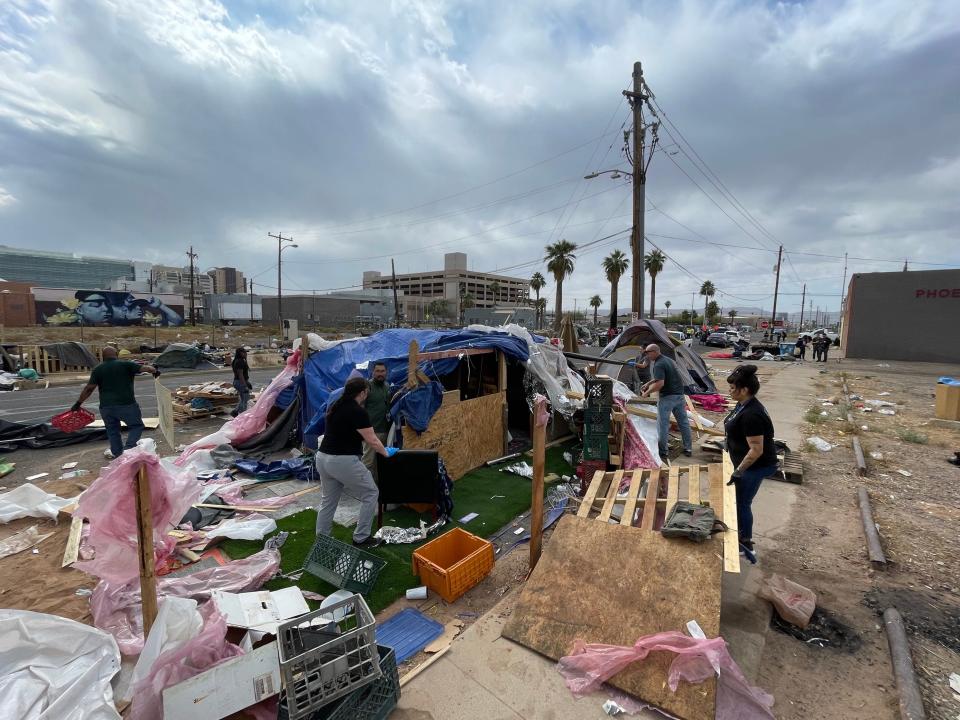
639, 189
193, 314
803, 300
776, 290
396, 305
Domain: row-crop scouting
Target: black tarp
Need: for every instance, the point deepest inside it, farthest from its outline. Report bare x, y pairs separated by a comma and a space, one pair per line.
278, 435
693, 371
72, 353
42, 436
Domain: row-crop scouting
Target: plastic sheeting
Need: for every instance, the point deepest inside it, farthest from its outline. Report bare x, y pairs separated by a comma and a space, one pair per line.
116, 608
30, 501
249, 527
418, 406
589, 665
641, 437
43, 435
177, 621
299, 467
204, 650
52, 668
111, 507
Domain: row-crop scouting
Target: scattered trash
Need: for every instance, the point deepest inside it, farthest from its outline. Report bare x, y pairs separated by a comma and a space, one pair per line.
249, 527
693, 627
494, 497
905, 473
883, 365
827, 404
31, 478
261, 611
612, 708
876, 455
955, 682
74, 474
69, 466
402, 536
883, 394
522, 469
864, 427
18, 542
820, 444
35, 551
30, 501
83, 592
417, 593
824, 413
886, 411
880, 403
518, 531
316, 597
469, 516
792, 601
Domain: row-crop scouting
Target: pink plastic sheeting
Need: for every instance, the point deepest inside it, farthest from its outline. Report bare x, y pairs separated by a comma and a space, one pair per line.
713, 403
208, 648
110, 504
636, 454
589, 665
250, 422
232, 494
116, 608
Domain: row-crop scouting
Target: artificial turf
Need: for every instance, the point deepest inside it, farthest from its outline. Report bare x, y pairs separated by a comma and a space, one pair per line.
497, 497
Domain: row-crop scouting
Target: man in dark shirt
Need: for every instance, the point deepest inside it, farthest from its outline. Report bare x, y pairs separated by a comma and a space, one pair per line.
665, 379
377, 406
114, 379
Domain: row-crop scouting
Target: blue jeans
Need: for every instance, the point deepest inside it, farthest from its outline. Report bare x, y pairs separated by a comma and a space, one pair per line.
244, 396
677, 405
112, 416
747, 488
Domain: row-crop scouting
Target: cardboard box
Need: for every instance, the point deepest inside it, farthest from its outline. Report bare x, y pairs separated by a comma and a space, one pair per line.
227, 688
263, 610
948, 402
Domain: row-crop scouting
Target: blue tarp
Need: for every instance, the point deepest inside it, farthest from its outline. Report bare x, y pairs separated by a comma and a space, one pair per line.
299, 467
328, 370
419, 405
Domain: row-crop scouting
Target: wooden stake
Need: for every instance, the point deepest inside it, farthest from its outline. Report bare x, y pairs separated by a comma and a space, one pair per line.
540, 418
148, 580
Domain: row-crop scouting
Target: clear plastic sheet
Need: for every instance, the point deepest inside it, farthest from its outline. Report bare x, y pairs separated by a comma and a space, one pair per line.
590, 665
111, 507
178, 620
30, 501
116, 608
249, 527
52, 668
204, 650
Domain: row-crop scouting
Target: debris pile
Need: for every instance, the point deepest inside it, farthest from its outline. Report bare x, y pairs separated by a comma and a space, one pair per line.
199, 401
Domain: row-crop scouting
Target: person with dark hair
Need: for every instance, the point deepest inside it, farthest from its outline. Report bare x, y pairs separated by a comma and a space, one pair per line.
378, 408
801, 348
241, 380
749, 432
338, 462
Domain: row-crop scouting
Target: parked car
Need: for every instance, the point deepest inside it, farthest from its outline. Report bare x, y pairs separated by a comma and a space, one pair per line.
834, 337
680, 337
718, 339
732, 335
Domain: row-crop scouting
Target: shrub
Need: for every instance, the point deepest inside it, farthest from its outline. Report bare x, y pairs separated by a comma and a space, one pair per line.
912, 436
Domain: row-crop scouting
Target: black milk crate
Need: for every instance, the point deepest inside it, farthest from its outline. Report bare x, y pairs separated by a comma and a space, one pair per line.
343, 565
599, 392
596, 447
597, 421
327, 654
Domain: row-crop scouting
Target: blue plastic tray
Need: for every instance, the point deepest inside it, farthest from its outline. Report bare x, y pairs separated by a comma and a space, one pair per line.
408, 632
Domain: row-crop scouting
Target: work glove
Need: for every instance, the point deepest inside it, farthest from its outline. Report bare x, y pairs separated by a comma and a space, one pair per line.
734, 476
249, 386
391, 451
75, 407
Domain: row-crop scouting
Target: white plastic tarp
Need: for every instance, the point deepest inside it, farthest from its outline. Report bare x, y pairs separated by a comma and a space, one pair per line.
52, 668
30, 501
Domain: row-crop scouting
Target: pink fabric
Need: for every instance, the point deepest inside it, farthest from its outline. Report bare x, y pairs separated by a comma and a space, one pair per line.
232, 494
713, 403
589, 665
717, 355
110, 504
208, 648
250, 422
636, 454
116, 608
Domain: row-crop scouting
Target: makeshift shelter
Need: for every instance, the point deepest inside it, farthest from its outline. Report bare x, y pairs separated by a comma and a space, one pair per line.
627, 345
179, 355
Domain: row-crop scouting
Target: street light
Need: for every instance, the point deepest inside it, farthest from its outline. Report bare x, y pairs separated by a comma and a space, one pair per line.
615, 174
280, 248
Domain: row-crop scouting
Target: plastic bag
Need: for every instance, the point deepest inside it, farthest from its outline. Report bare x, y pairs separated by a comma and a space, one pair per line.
30, 501
793, 602
251, 527
110, 504
820, 444
204, 650
52, 668
590, 665
116, 608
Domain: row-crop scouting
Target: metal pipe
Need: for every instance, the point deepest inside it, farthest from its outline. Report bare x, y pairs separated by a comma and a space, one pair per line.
911, 704
874, 549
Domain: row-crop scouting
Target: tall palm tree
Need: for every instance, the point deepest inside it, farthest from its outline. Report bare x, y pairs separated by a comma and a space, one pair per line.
595, 304
495, 290
713, 310
537, 283
707, 290
667, 306
653, 264
541, 310
732, 314
466, 302
559, 258
615, 265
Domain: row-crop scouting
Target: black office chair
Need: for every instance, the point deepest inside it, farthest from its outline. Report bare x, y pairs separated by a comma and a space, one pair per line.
410, 476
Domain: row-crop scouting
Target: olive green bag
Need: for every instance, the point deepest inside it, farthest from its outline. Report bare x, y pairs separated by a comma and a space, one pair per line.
694, 522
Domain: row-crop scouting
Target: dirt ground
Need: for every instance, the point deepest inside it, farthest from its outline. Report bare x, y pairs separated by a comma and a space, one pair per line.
918, 515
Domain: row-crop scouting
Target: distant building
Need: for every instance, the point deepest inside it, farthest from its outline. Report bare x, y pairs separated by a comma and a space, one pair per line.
903, 316
17, 304
343, 310
178, 279
227, 280
58, 269
416, 291
494, 317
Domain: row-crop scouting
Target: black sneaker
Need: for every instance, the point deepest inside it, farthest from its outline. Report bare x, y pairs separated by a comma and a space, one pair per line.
688, 453
368, 544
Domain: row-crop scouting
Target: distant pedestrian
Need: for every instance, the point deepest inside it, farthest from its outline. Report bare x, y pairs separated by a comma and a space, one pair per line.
114, 379
377, 406
241, 380
801, 348
665, 379
825, 348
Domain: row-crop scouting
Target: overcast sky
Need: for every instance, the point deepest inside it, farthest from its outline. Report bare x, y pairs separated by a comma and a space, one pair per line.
410, 128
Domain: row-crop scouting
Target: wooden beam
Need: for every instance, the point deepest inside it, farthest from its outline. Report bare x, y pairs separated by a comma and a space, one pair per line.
731, 538
414, 350
611, 496
630, 508
643, 412
72, 551
693, 484
540, 418
673, 487
650, 502
148, 580
587, 502
445, 354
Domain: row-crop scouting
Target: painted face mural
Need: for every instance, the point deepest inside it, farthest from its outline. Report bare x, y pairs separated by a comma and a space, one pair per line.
106, 307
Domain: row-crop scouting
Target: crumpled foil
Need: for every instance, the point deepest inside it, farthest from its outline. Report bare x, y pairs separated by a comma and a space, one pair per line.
521, 468
401, 536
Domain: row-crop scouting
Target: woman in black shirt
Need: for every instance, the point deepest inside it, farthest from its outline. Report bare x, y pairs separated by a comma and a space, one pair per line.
338, 461
241, 379
749, 431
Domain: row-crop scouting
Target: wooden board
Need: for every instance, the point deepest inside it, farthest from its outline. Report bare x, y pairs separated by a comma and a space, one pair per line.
466, 434
606, 583
731, 538
72, 551
151, 423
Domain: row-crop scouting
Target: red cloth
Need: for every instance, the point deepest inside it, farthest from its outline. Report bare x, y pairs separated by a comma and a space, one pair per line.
717, 355
713, 403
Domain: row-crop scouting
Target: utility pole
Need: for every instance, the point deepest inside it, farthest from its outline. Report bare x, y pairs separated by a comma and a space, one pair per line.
905, 268
280, 245
843, 287
251, 302
776, 290
803, 301
640, 164
396, 304
193, 315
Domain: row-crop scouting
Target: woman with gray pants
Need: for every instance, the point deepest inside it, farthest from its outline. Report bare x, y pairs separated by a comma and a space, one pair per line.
338, 461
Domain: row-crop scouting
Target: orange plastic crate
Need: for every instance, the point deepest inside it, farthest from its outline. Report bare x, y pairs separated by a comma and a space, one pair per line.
453, 563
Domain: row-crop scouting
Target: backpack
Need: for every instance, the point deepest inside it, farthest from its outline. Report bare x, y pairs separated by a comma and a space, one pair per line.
694, 522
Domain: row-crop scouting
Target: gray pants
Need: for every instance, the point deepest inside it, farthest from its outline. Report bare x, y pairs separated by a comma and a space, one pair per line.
339, 473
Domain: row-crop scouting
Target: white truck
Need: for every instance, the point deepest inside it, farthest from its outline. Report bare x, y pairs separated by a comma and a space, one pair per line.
237, 312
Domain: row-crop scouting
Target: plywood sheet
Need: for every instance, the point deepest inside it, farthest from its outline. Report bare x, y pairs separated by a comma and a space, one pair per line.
613, 584
466, 434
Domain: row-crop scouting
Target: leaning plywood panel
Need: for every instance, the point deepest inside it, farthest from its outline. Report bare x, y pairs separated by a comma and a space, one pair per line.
466, 434
612, 584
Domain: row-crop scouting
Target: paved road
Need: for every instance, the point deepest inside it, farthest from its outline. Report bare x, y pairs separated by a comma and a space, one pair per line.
34, 406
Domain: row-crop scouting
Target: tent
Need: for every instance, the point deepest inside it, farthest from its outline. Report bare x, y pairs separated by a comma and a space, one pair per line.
627, 345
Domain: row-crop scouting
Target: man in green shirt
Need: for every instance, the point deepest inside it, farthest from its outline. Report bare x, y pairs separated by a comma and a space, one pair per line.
114, 379
378, 408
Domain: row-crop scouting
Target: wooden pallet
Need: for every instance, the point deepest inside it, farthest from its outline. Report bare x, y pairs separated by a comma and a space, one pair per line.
792, 467
641, 509
34, 356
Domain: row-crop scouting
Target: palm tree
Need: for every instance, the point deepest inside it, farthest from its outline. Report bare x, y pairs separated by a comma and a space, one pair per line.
495, 289
615, 265
595, 304
537, 283
685, 317
653, 264
541, 310
707, 290
712, 311
559, 258
466, 302
732, 314
667, 305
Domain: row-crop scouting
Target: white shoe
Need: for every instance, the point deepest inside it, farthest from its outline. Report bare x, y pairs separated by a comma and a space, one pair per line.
108, 454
